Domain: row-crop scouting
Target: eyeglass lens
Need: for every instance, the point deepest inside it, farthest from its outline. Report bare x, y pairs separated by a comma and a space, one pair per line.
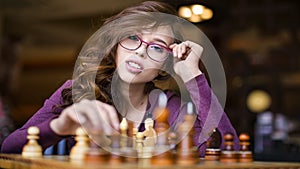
154, 51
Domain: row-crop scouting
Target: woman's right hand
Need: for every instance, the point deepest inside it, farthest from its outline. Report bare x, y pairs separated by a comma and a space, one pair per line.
93, 115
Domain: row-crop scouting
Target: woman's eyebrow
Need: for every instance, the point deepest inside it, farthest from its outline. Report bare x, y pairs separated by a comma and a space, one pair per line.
160, 40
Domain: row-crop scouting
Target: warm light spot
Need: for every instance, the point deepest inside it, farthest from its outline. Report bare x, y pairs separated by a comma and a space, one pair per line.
207, 14
258, 101
185, 12
197, 9
195, 18
195, 13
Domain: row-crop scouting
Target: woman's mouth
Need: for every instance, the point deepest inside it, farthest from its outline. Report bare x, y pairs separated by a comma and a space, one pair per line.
134, 67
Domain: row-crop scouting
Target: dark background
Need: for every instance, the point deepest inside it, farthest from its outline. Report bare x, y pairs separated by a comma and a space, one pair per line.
258, 42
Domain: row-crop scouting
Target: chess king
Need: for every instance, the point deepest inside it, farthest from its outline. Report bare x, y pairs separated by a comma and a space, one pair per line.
120, 72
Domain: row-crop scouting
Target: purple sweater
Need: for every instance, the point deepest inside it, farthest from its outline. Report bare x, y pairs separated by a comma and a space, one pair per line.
210, 115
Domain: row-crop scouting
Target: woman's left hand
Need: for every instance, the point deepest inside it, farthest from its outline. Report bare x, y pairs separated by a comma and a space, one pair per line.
186, 59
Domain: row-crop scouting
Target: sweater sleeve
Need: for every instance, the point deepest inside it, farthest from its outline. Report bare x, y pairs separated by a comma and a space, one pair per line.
210, 114
15, 141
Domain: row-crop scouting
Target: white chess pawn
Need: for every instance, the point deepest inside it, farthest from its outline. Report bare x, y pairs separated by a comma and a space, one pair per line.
81, 147
32, 148
123, 130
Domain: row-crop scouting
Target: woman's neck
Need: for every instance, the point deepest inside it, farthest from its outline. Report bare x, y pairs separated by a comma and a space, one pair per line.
135, 100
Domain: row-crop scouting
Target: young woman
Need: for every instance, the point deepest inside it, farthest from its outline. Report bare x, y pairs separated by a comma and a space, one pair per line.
114, 78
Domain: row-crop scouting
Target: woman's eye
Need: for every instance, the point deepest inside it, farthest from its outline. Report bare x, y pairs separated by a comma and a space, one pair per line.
135, 38
157, 48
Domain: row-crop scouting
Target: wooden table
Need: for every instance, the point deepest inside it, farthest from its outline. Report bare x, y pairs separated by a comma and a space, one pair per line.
63, 162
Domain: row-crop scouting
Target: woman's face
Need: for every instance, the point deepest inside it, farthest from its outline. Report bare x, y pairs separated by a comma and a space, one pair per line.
135, 66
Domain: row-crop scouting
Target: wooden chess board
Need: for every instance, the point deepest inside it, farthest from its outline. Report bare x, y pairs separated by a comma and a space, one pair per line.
63, 162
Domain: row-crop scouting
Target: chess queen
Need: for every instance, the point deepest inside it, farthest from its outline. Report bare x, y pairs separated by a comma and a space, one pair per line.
119, 73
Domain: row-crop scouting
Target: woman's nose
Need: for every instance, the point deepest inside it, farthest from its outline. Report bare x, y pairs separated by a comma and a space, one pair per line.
142, 50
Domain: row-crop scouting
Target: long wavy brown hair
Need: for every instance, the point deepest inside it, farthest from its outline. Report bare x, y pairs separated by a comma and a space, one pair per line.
96, 66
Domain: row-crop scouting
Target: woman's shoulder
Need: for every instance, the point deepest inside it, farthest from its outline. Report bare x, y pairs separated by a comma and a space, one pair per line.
67, 83
57, 94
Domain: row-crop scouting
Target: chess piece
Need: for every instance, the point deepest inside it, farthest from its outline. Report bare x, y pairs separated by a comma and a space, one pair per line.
131, 134
129, 152
123, 130
32, 148
213, 151
150, 138
162, 154
79, 150
245, 155
186, 151
228, 155
134, 133
139, 144
149, 133
143, 153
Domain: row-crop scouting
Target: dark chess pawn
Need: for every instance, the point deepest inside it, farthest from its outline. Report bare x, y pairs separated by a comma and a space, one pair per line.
228, 155
213, 151
245, 155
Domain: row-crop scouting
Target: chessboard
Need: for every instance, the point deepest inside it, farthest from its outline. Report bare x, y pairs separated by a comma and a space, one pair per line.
155, 147
16, 161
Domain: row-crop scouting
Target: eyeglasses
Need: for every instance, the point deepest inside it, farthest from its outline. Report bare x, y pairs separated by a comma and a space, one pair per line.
156, 52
